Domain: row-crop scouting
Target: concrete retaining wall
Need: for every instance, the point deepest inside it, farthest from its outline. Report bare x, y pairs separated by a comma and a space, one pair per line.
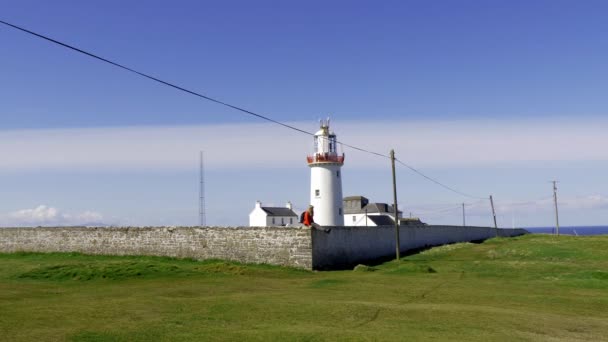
295, 247
271, 245
347, 246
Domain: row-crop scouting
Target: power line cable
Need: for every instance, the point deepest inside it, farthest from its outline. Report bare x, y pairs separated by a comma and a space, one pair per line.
438, 182
445, 209
427, 212
363, 150
263, 117
154, 78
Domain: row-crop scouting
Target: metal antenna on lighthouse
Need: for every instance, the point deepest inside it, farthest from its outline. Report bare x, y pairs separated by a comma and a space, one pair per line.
201, 198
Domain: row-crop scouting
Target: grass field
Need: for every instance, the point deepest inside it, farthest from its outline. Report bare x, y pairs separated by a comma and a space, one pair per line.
535, 287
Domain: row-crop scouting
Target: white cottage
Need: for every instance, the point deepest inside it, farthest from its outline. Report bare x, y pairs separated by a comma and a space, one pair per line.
272, 216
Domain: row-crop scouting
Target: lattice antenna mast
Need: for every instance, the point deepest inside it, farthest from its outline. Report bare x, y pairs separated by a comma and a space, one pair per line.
201, 193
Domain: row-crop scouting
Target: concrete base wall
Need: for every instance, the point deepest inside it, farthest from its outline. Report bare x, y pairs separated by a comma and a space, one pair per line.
270, 245
296, 247
347, 246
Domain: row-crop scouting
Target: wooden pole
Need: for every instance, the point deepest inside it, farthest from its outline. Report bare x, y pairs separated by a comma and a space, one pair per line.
555, 202
494, 214
397, 242
464, 222
201, 192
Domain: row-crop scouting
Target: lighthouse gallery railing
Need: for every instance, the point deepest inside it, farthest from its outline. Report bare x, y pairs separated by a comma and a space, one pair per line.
325, 158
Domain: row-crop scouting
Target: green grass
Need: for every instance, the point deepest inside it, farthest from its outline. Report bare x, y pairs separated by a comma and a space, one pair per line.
530, 288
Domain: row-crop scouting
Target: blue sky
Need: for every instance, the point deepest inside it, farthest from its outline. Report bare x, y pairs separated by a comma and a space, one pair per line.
490, 97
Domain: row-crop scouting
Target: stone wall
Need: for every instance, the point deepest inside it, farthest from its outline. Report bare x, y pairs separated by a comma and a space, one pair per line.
271, 245
347, 246
296, 247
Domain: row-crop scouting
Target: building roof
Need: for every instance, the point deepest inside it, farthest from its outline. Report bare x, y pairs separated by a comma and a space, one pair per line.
279, 211
370, 208
354, 204
350, 198
411, 221
377, 208
381, 220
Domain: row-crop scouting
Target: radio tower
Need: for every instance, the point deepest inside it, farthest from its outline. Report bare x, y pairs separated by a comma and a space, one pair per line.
201, 193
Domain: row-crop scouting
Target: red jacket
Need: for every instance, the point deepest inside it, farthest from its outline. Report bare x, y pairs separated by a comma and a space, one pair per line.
308, 220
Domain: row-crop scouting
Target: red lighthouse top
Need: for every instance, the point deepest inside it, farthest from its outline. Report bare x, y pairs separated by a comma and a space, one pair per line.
325, 148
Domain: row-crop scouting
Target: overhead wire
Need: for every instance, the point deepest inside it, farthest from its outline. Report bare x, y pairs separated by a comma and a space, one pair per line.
156, 79
445, 209
263, 117
438, 182
442, 210
214, 100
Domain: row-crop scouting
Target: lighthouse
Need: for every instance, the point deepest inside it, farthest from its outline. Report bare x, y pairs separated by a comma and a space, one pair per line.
326, 178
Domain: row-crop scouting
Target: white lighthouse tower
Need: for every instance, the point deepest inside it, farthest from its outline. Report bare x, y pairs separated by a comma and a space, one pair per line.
326, 178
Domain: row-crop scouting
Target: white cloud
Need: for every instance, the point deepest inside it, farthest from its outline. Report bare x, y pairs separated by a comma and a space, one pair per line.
419, 143
44, 215
41, 213
586, 202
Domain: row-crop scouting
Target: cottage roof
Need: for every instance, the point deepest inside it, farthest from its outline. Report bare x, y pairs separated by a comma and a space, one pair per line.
351, 198
279, 211
377, 208
381, 220
370, 208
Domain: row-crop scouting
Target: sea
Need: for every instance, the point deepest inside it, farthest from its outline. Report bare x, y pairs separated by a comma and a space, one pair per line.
571, 230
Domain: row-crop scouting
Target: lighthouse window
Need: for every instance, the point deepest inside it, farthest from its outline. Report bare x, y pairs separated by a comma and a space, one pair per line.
338, 174
339, 211
317, 192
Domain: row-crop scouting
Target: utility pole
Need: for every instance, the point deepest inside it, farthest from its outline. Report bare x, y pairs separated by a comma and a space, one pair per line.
464, 222
201, 193
555, 202
494, 214
397, 243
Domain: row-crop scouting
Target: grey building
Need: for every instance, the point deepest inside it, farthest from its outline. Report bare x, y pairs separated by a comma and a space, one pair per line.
358, 211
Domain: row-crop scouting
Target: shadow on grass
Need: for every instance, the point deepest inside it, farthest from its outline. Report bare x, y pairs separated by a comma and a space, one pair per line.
80, 267
385, 259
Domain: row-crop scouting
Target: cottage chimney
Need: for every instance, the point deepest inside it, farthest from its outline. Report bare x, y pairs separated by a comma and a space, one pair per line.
258, 204
288, 205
